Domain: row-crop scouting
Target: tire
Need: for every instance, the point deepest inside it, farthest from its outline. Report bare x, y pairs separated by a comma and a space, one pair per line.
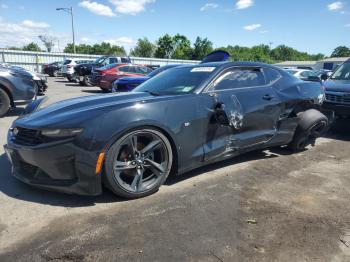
85, 81
104, 90
5, 102
70, 79
312, 124
126, 163
55, 73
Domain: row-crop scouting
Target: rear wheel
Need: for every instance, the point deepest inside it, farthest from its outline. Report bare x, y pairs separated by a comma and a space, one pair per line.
84, 82
4, 102
312, 124
138, 163
55, 73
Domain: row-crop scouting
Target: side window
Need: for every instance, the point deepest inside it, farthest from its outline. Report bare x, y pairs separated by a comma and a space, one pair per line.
125, 60
113, 60
271, 75
124, 69
305, 74
142, 70
240, 77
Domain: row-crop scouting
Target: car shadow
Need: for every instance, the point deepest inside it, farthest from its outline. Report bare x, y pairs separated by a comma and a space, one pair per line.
340, 130
17, 111
14, 188
251, 156
93, 91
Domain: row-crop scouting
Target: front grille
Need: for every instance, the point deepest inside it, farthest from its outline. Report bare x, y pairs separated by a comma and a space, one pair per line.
29, 137
339, 99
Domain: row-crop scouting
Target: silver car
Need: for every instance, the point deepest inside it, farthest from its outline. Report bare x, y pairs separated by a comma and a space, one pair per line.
16, 87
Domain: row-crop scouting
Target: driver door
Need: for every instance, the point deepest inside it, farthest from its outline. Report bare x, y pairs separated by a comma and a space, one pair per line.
251, 108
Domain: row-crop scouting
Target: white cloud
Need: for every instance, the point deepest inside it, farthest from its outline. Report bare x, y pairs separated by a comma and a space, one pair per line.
97, 8
209, 6
19, 34
130, 7
263, 31
335, 6
124, 40
3, 6
32, 24
243, 4
252, 27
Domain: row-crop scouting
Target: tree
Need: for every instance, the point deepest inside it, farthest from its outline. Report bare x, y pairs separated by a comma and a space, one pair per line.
202, 47
165, 47
97, 49
32, 47
341, 51
181, 47
48, 41
143, 48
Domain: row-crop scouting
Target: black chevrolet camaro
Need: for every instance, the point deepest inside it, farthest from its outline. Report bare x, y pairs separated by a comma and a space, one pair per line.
183, 118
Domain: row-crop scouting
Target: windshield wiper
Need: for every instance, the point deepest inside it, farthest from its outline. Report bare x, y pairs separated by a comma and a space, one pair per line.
151, 93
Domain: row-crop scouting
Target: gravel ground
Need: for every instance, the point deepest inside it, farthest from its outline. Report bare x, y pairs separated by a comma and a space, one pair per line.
262, 206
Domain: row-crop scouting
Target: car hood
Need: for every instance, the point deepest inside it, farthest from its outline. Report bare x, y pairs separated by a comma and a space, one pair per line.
337, 85
133, 80
77, 110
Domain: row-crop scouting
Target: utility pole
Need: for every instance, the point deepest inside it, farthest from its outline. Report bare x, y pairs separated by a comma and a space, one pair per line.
69, 11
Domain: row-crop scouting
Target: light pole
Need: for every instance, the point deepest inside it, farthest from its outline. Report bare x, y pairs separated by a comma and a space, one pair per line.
69, 11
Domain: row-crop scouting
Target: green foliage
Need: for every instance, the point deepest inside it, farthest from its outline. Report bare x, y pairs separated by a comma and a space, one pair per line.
201, 48
97, 49
32, 47
341, 51
143, 48
165, 47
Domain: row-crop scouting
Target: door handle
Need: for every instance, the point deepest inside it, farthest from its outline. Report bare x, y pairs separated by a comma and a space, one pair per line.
267, 97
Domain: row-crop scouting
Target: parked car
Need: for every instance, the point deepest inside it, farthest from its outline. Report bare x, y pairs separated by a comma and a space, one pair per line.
324, 73
67, 69
304, 74
83, 71
40, 80
16, 87
184, 118
105, 76
126, 84
338, 90
52, 69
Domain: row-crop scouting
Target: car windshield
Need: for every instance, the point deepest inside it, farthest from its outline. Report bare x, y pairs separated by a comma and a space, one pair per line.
160, 69
100, 60
342, 72
106, 67
176, 81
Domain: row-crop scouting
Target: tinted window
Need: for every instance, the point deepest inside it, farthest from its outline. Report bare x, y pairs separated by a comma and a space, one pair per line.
67, 61
113, 60
271, 75
125, 60
106, 67
124, 69
240, 77
161, 69
342, 72
143, 70
180, 80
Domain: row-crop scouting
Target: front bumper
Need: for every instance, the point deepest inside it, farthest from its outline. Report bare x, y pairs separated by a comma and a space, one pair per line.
61, 167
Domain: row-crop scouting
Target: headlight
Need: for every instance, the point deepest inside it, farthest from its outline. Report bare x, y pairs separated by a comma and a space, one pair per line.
61, 132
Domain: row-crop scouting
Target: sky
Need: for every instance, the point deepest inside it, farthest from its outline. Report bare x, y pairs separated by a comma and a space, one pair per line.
314, 26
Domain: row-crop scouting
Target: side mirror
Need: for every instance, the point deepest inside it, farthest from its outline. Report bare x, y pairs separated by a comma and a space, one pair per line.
220, 114
324, 76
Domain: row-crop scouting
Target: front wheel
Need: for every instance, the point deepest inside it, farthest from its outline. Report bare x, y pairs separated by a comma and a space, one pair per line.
4, 102
138, 163
312, 124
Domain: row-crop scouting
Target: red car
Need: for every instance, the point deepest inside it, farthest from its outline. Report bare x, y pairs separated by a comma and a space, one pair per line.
105, 76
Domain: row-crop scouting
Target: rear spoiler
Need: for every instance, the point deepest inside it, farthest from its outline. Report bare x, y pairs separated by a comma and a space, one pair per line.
216, 56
